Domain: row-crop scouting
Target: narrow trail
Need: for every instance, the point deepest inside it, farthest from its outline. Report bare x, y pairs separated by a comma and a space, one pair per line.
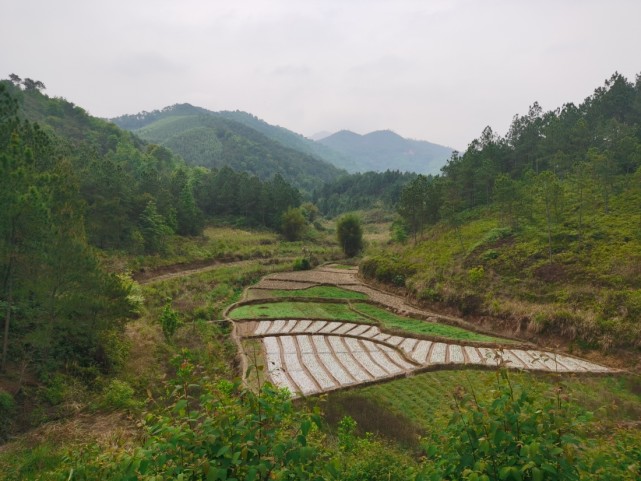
182, 270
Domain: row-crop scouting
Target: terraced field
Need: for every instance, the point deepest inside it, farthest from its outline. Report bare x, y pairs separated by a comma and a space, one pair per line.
311, 356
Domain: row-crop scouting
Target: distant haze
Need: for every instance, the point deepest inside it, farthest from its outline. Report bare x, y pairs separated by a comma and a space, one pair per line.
437, 70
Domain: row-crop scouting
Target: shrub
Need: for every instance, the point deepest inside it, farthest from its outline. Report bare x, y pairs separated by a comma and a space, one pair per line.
293, 224
302, 264
509, 437
169, 321
118, 395
367, 458
430, 294
475, 275
222, 431
384, 269
489, 254
399, 231
350, 234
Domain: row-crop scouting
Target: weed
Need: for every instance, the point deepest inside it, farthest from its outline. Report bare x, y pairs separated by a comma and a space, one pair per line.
118, 395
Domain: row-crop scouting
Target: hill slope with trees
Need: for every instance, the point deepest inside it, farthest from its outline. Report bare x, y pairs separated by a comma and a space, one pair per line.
76, 188
540, 228
232, 139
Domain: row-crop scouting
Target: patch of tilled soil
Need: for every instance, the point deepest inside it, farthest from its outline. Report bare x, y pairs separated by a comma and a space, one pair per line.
310, 357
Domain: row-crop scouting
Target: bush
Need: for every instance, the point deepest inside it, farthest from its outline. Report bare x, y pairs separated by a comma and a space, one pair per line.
398, 231
508, 437
302, 264
350, 234
390, 270
475, 275
293, 224
169, 321
118, 395
222, 431
367, 458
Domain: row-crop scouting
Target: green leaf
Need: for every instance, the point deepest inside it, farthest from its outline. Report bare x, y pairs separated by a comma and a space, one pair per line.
222, 451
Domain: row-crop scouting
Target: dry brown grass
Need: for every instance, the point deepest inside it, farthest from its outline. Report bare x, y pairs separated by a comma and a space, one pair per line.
115, 429
253, 350
144, 338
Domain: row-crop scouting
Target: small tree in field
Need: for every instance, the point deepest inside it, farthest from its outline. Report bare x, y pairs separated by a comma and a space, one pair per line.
293, 224
169, 321
350, 234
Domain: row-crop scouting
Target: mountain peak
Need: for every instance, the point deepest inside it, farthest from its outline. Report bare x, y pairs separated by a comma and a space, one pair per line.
386, 150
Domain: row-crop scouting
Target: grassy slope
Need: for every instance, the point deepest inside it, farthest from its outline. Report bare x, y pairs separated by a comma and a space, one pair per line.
228, 243
589, 292
423, 403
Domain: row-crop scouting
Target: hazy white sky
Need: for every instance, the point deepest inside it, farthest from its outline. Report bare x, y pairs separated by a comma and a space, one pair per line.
438, 70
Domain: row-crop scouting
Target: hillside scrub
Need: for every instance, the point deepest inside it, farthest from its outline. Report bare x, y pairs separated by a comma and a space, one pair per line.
540, 228
588, 295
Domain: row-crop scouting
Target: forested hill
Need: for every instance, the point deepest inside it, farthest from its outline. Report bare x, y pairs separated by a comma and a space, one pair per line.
232, 139
385, 150
540, 227
362, 191
71, 185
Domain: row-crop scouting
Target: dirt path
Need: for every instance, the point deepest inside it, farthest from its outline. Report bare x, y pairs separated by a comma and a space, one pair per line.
181, 270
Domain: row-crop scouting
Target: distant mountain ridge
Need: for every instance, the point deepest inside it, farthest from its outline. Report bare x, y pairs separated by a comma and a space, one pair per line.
386, 150
246, 143
234, 139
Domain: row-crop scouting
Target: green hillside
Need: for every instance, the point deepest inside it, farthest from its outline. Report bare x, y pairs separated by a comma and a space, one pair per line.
539, 230
292, 140
385, 150
234, 140
80, 198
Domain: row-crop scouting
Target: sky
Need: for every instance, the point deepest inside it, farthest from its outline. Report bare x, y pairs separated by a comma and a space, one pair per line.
437, 70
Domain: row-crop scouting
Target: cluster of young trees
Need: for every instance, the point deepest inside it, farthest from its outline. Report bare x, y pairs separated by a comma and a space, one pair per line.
28, 84
227, 193
58, 305
549, 165
71, 183
361, 191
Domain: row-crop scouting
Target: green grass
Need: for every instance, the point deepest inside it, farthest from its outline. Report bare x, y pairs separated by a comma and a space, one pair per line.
426, 399
323, 292
298, 310
360, 312
415, 326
